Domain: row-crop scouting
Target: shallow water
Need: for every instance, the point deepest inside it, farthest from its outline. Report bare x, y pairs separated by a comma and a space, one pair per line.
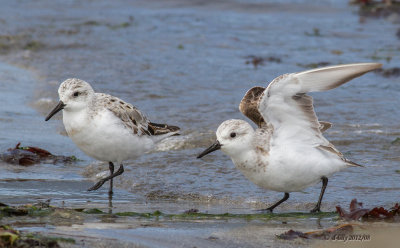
184, 63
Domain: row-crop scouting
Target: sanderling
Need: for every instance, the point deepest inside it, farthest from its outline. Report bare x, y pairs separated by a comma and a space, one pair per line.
287, 152
105, 127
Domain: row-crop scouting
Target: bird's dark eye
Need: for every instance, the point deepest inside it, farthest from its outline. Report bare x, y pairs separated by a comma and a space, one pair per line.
76, 93
233, 135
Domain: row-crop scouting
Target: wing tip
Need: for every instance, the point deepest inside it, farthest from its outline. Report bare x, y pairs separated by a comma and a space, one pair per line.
351, 163
370, 66
330, 77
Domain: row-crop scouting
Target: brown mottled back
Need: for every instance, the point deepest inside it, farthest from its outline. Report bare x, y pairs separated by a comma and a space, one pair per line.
131, 117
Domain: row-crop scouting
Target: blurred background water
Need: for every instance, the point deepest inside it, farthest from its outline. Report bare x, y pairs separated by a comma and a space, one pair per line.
189, 63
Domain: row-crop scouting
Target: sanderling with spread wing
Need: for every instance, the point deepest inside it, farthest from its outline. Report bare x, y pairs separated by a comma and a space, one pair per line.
105, 127
287, 152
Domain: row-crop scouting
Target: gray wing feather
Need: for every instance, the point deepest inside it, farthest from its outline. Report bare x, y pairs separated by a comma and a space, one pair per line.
130, 116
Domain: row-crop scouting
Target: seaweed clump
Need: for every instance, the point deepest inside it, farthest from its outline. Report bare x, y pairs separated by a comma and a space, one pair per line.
30, 155
10, 237
358, 212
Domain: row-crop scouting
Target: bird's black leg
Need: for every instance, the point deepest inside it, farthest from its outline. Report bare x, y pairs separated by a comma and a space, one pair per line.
270, 209
110, 206
102, 181
317, 207
111, 167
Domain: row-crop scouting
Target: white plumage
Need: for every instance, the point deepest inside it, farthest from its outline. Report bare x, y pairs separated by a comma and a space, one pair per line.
287, 152
105, 127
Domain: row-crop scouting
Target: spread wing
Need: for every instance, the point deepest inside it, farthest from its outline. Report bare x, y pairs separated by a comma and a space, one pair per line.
132, 118
286, 106
249, 107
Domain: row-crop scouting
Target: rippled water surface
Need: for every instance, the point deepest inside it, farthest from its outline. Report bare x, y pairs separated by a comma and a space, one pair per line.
184, 63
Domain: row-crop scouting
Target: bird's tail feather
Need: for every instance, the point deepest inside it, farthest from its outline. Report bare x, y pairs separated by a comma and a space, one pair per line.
159, 129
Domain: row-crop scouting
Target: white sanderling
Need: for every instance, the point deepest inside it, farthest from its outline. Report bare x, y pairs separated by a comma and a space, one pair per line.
105, 127
287, 152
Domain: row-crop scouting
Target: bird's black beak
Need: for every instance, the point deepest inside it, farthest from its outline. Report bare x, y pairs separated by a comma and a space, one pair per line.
57, 108
213, 147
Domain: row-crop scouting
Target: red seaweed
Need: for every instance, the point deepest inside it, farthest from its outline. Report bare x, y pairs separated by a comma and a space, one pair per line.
30, 155
357, 212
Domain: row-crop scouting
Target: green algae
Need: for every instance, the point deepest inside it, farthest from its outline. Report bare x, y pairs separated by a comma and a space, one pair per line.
9, 43
256, 216
35, 211
395, 141
56, 216
91, 23
33, 45
109, 25
118, 26
30, 211
10, 237
26, 210
36, 236
91, 211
